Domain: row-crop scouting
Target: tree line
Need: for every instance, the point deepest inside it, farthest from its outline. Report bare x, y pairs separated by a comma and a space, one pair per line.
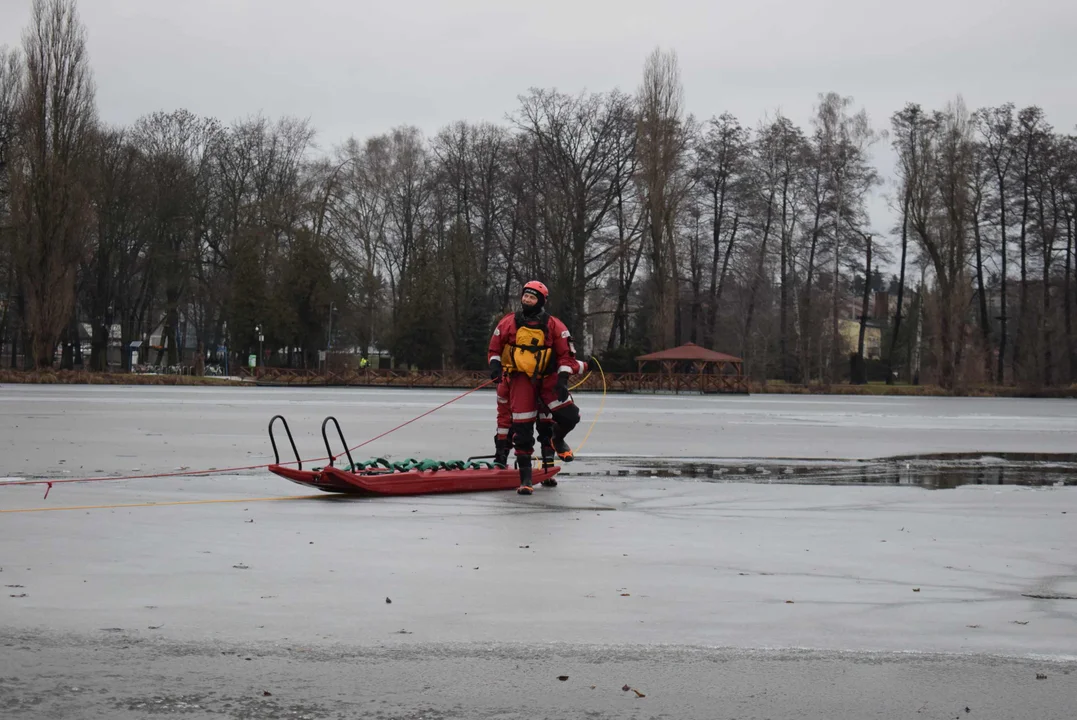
651, 228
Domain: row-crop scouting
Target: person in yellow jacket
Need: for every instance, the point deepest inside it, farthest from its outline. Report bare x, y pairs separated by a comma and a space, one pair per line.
532, 355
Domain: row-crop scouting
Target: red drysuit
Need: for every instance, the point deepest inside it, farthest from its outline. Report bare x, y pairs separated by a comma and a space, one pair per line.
523, 400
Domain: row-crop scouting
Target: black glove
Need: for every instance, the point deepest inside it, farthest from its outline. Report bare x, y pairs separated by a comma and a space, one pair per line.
562, 386
495, 369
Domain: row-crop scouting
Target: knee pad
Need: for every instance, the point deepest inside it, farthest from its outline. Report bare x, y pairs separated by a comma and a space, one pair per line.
567, 417
523, 437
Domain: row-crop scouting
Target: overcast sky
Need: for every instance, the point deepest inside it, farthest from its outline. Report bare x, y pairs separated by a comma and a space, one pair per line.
360, 67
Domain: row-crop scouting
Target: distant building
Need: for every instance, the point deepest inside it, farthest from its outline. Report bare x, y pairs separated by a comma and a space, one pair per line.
873, 337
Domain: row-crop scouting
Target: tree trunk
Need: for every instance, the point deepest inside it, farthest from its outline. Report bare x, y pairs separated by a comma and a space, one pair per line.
718, 205
783, 323
696, 272
835, 334
7, 325
622, 292
901, 290
722, 276
171, 328
917, 346
805, 370
1047, 323
99, 345
985, 321
127, 336
5, 332
860, 371
664, 321
67, 347
946, 338
758, 277
20, 337
1000, 376
1068, 300
1022, 318
76, 340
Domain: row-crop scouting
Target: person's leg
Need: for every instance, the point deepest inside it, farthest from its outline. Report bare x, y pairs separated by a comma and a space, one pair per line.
545, 431
503, 439
565, 415
566, 418
522, 403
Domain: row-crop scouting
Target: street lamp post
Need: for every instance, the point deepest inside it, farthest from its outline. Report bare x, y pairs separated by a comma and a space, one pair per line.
261, 337
329, 343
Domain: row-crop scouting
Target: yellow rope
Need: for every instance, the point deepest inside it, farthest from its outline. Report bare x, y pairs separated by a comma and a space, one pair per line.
600, 406
582, 381
538, 460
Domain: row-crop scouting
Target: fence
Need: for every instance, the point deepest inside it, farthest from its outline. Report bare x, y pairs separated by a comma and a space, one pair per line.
632, 382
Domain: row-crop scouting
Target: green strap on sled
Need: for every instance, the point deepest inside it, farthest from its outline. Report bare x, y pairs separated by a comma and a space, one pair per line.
367, 465
426, 465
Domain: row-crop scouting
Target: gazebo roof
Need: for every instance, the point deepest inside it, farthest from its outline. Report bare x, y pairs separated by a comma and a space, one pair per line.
689, 351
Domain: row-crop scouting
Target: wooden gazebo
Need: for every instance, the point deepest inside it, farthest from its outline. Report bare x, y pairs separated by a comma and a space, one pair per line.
691, 367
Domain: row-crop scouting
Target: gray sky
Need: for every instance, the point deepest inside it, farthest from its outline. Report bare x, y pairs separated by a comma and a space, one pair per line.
359, 67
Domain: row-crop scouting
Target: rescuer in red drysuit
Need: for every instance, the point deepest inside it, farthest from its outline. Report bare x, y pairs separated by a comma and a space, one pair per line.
532, 355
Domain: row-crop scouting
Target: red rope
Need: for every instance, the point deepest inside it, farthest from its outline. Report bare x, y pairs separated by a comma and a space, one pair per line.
218, 471
409, 422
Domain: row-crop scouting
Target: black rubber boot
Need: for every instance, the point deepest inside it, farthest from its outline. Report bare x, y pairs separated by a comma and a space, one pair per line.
524, 463
548, 456
501, 451
563, 450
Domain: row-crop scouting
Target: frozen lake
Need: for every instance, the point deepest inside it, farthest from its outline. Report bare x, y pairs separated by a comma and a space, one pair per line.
728, 599
110, 429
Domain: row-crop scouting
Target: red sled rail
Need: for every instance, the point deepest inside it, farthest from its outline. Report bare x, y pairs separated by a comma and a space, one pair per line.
382, 478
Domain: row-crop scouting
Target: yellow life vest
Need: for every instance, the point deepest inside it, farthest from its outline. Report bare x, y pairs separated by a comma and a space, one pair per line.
529, 354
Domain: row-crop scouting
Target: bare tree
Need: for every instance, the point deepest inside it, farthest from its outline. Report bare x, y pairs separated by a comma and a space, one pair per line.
359, 213
1028, 138
628, 216
575, 145
859, 371
56, 122
775, 168
911, 130
997, 132
939, 215
11, 78
470, 173
662, 146
980, 181
843, 141
1048, 197
407, 192
178, 150
118, 212
721, 168
1069, 211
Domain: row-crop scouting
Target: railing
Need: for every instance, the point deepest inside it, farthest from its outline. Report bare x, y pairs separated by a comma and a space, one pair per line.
633, 382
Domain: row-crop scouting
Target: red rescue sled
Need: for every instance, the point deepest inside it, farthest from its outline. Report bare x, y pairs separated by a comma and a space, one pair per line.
406, 478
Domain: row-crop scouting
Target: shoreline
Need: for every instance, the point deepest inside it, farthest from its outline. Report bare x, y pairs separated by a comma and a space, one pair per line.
83, 377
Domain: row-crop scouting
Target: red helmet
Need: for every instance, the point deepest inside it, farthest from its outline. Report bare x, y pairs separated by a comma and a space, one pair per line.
539, 288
